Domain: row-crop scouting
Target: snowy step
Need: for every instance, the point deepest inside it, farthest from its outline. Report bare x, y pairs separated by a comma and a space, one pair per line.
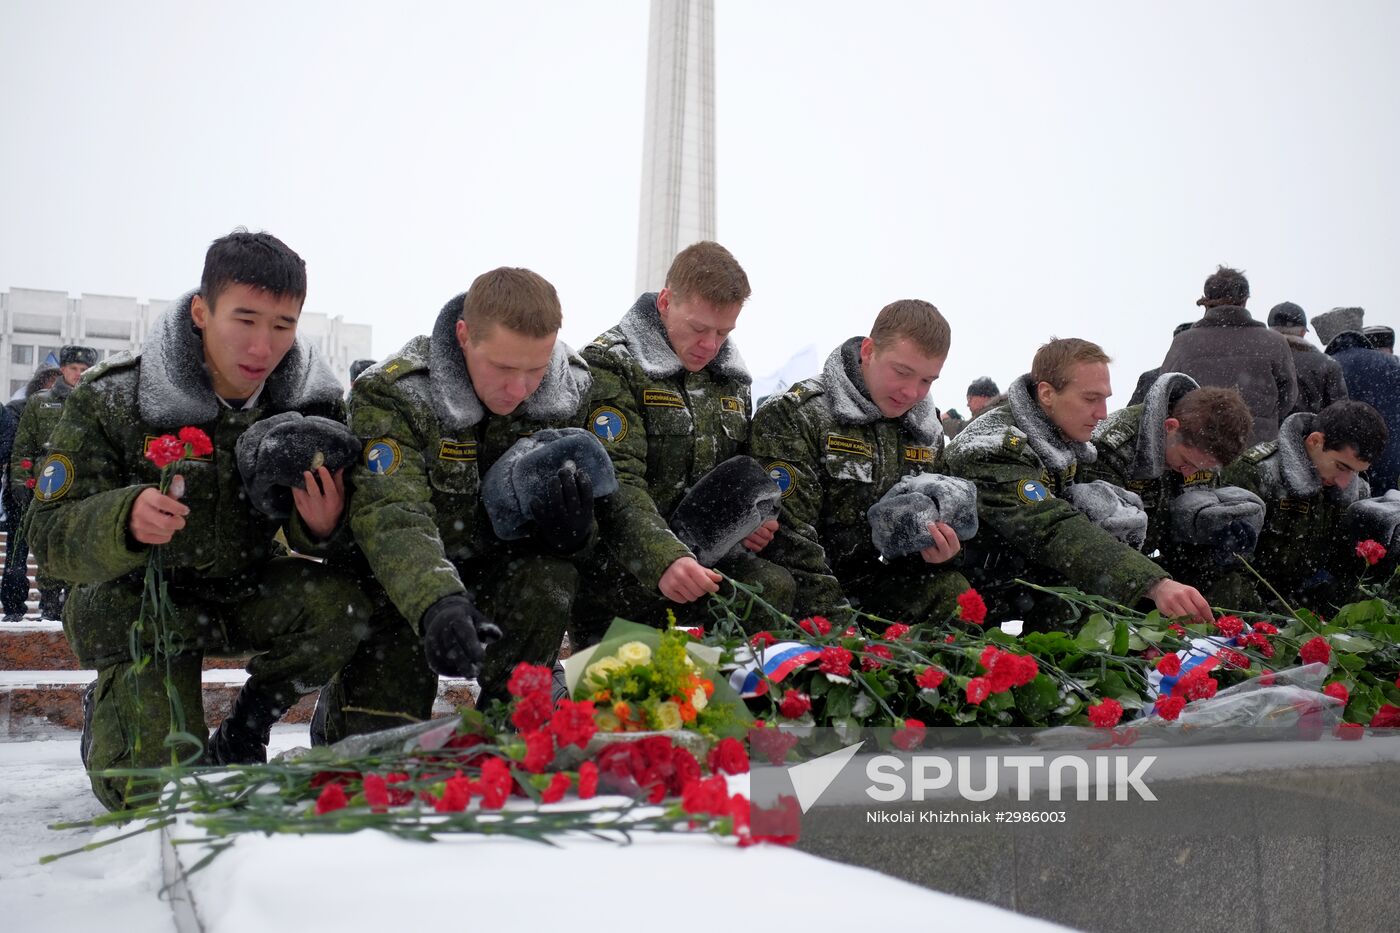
39, 645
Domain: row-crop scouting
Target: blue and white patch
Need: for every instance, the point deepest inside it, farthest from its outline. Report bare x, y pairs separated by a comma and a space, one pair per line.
382, 456
1032, 491
609, 424
782, 476
55, 478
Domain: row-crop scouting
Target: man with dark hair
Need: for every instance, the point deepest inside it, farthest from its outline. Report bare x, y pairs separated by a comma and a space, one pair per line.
1228, 348
1320, 381
836, 444
41, 414
981, 395
1148, 377
1308, 478
224, 360
1178, 440
358, 367
436, 420
1024, 458
14, 591
671, 402
1381, 338
1372, 377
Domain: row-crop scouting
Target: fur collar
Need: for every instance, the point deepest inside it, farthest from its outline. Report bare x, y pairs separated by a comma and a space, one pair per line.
849, 399
1054, 450
175, 390
646, 338
455, 403
1150, 454
1228, 316
1296, 476
1300, 344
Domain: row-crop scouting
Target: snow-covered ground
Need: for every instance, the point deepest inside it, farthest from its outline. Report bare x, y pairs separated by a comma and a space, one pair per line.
370, 881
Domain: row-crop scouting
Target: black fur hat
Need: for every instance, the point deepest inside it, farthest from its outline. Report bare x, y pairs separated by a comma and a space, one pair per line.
517, 479
1376, 519
72, 354
1112, 508
1224, 521
275, 452
899, 521
724, 507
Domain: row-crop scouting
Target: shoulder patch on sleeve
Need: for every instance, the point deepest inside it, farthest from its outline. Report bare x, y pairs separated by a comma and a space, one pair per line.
1031, 491
783, 476
609, 424
1259, 452
804, 391
55, 478
382, 456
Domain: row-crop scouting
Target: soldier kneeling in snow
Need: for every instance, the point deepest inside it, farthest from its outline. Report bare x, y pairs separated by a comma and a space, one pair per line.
222, 359
453, 568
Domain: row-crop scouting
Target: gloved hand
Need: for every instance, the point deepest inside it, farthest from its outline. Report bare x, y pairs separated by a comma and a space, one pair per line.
456, 635
563, 511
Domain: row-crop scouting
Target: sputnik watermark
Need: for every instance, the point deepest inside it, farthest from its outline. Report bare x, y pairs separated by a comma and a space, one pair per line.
981, 778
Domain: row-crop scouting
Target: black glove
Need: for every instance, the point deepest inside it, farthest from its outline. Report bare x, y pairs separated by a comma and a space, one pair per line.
563, 511
455, 636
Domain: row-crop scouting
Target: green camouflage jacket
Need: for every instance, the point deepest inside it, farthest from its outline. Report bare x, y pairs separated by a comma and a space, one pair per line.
40, 417
416, 508
96, 466
664, 427
834, 455
1022, 466
1304, 550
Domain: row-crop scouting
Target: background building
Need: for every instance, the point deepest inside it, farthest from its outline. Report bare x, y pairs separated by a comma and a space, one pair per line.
36, 322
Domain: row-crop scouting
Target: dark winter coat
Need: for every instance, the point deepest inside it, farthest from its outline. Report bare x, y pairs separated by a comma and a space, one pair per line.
1320, 381
1228, 348
1373, 377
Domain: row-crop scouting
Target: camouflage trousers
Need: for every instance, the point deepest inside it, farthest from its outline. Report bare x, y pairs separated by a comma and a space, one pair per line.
388, 682
610, 592
300, 620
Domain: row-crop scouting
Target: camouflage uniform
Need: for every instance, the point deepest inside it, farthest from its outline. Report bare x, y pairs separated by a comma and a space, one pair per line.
1304, 551
40, 417
664, 428
1022, 466
234, 588
834, 455
418, 518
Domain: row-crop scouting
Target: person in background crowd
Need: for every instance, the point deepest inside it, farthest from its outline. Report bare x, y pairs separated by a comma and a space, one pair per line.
1373, 377
1320, 381
14, 590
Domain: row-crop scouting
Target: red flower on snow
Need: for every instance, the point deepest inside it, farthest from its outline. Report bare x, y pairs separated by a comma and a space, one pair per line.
572, 723
1106, 713
971, 608
1170, 707
1372, 552
1315, 651
1387, 717
1349, 731
558, 786
539, 751
795, 704
728, 756
332, 798
911, 736
587, 780
529, 680
200, 445
836, 661
816, 625
376, 793
875, 657
495, 783
930, 678
1229, 626
771, 742
1169, 665
978, 689
1337, 691
532, 712
165, 450
456, 794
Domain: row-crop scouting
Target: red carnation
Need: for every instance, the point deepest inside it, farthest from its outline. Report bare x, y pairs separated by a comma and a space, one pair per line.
495, 783
1177, 629
1315, 651
1170, 707
728, 756
532, 712
200, 445
1372, 552
165, 450
1169, 665
706, 797
795, 704
763, 640
911, 736
456, 794
1266, 628
376, 793
1106, 713
1229, 626
971, 608
558, 786
930, 678
572, 723
1232, 658
332, 798
539, 751
530, 679
896, 631
30, 483
587, 780
1259, 642
948, 640
1196, 685
816, 625
1337, 691
1349, 731
26, 464
875, 657
1387, 717
835, 660
978, 689
771, 742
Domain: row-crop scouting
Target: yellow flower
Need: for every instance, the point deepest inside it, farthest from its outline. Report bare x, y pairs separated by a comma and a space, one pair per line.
633, 653
599, 671
667, 715
698, 699
607, 722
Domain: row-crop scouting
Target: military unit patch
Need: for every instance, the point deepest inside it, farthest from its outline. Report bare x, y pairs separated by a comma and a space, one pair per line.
608, 423
918, 454
382, 456
730, 403
55, 478
150, 439
464, 451
837, 443
1030, 491
783, 476
662, 398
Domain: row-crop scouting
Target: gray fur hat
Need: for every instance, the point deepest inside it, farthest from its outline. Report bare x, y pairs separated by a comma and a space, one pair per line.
75, 354
899, 521
273, 454
724, 507
518, 478
1225, 521
1337, 321
1376, 519
1113, 508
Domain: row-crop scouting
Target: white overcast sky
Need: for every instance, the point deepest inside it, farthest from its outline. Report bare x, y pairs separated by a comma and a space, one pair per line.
1034, 169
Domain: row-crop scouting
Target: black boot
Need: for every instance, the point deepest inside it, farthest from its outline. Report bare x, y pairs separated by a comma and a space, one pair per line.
51, 605
241, 739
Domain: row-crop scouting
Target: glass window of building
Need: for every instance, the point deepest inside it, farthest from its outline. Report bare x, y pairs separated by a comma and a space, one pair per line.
22, 354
